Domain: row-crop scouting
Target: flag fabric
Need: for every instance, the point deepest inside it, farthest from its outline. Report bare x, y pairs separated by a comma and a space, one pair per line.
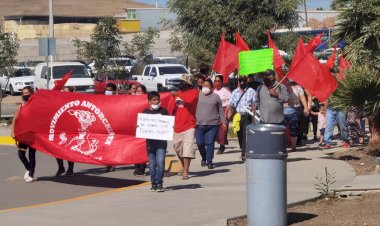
299, 53
277, 59
313, 76
343, 65
93, 129
331, 61
59, 84
241, 43
314, 43
226, 59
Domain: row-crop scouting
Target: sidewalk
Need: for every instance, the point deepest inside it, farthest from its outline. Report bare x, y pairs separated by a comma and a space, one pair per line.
209, 197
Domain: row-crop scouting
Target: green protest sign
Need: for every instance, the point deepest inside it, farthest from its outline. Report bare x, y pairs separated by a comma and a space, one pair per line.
255, 61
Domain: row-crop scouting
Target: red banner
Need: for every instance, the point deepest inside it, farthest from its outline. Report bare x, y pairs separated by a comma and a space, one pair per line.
93, 129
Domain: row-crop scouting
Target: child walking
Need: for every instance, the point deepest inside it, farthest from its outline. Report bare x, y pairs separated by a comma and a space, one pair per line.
156, 148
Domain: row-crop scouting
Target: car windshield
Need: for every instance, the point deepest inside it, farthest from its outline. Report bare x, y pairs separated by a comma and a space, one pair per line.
23, 72
173, 70
171, 61
121, 62
79, 71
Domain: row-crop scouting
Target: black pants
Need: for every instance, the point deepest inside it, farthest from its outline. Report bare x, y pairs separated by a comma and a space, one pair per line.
245, 120
140, 169
61, 166
30, 164
314, 121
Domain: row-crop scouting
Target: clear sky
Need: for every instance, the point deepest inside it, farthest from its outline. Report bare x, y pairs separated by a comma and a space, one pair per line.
311, 4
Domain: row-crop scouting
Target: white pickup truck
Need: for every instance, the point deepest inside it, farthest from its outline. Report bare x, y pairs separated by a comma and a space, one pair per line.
161, 77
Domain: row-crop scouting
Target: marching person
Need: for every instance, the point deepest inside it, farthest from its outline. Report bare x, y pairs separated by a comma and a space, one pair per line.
209, 116
132, 90
140, 168
185, 122
156, 148
270, 99
225, 96
292, 110
29, 164
110, 90
61, 167
243, 99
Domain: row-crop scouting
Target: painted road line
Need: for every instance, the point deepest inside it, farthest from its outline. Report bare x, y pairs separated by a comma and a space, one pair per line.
76, 198
172, 165
7, 140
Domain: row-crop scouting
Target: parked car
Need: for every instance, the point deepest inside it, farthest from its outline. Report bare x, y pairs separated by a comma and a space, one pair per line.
122, 80
15, 82
31, 64
80, 79
165, 60
120, 63
161, 77
89, 70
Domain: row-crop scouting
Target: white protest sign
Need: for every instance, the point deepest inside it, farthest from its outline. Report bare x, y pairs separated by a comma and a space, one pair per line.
155, 126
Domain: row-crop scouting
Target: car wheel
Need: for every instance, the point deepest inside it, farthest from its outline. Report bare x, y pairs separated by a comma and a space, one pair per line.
13, 93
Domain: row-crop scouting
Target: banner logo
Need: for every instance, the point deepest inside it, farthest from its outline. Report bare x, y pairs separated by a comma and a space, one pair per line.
83, 142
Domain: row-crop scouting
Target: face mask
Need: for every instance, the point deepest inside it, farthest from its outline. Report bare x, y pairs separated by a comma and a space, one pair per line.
26, 98
206, 90
155, 106
108, 92
243, 85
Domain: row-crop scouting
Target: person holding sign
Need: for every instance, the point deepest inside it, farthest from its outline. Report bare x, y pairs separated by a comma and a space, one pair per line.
185, 121
209, 115
156, 148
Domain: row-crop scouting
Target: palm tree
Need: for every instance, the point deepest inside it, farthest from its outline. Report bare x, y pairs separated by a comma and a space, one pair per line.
359, 26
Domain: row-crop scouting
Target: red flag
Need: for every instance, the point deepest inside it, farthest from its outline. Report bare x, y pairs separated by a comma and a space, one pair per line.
343, 65
313, 43
313, 76
299, 53
85, 128
277, 59
59, 84
226, 59
241, 43
331, 61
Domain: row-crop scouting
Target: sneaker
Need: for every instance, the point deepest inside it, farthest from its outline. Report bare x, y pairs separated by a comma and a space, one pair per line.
346, 145
221, 150
26, 175
60, 172
29, 179
327, 146
154, 187
203, 163
210, 166
315, 138
160, 188
110, 168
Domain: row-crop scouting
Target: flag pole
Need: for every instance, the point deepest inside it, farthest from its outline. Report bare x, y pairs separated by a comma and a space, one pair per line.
280, 81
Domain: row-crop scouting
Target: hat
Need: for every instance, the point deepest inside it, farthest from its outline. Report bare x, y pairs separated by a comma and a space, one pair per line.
188, 78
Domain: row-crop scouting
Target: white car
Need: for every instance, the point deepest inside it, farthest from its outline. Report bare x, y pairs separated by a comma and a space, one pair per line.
17, 81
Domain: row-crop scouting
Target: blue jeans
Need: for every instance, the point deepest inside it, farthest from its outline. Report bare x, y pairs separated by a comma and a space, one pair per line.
206, 136
157, 165
292, 116
333, 118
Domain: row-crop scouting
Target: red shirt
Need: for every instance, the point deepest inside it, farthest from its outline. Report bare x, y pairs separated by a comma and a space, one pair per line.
185, 112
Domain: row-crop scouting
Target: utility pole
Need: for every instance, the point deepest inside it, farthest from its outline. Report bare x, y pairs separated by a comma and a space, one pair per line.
51, 25
304, 4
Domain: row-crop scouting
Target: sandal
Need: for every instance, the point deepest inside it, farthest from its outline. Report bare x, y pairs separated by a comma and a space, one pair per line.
185, 177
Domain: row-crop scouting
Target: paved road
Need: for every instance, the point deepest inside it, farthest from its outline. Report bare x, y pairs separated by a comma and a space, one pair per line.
88, 179
8, 109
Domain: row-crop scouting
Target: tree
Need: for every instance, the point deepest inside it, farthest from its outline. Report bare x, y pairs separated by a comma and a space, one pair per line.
359, 26
103, 45
8, 51
200, 23
340, 4
141, 43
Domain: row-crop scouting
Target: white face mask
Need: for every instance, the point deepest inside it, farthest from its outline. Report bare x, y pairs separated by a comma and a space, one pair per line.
155, 106
108, 92
206, 90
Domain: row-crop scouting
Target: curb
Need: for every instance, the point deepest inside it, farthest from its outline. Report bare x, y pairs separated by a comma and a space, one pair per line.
7, 140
